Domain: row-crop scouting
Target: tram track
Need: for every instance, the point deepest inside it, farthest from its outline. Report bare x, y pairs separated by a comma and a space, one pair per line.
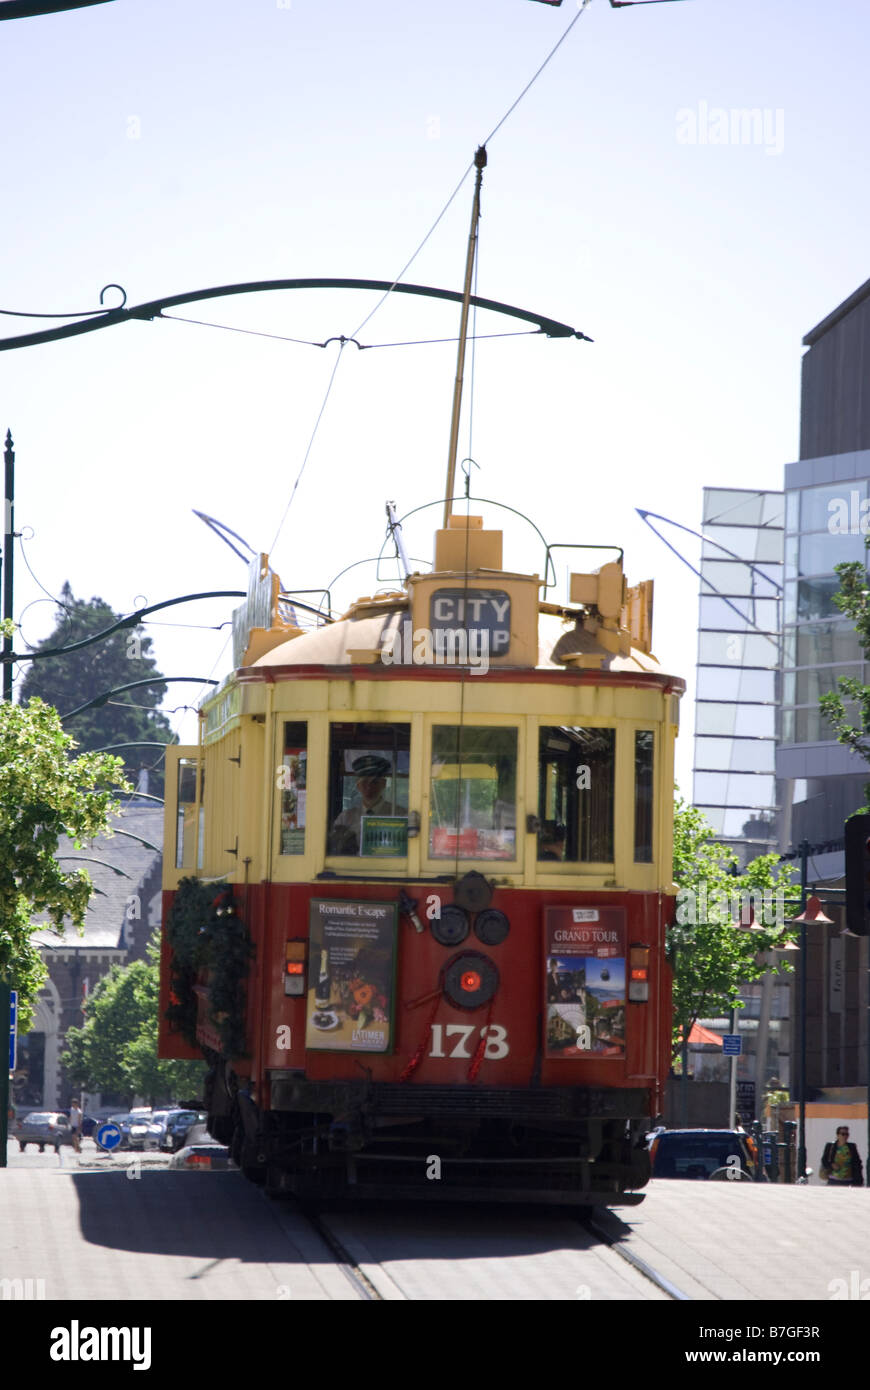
346, 1261
595, 1225
389, 1254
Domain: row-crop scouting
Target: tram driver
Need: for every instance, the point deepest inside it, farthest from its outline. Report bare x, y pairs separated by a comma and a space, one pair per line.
371, 773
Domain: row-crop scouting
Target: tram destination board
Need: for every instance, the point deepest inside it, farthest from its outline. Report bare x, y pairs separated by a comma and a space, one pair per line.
350, 1005
485, 613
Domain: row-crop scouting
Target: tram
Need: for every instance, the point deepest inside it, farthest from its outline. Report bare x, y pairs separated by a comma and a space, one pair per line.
418, 873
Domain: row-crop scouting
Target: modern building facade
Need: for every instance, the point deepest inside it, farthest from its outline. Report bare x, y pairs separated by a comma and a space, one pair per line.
769, 773
739, 634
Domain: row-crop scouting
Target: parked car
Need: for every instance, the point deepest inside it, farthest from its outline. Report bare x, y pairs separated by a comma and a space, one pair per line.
201, 1153
43, 1127
134, 1131
157, 1126
178, 1125
703, 1153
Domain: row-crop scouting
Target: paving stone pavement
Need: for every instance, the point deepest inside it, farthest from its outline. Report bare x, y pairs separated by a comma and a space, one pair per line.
180, 1236
750, 1241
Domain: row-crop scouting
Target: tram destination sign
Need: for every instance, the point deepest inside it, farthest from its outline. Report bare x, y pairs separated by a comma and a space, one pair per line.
481, 616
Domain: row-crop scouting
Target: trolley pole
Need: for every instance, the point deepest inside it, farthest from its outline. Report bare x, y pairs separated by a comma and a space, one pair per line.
480, 165
8, 542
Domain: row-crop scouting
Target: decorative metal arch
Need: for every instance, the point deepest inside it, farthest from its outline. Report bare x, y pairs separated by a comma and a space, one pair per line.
154, 307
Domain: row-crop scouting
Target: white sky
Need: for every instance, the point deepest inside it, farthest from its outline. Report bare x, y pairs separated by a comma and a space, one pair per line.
178, 144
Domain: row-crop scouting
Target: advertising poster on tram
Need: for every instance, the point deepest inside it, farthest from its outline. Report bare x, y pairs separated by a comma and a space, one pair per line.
352, 959
584, 951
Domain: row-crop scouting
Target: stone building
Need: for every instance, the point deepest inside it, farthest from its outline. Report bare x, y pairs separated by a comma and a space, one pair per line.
122, 914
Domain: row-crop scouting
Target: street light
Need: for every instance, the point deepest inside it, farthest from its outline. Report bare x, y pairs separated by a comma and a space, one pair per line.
813, 912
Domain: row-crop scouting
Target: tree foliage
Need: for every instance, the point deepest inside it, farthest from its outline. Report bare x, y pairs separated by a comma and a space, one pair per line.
712, 957
116, 1050
69, 681
853, 599
44, 793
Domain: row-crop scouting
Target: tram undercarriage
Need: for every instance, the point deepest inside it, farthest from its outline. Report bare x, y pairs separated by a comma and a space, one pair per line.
575, 1146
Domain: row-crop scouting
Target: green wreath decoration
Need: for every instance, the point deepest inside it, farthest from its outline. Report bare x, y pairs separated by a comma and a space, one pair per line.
205, 934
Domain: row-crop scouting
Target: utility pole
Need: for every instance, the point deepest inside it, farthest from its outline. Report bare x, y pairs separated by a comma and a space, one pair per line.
802, 1114
8, 542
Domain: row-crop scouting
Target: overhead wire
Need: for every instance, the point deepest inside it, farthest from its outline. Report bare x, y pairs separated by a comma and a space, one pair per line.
582, 6
341, 348
231, 328
363, 347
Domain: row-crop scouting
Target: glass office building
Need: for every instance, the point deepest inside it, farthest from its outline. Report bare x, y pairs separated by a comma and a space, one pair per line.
740, 619
822, 781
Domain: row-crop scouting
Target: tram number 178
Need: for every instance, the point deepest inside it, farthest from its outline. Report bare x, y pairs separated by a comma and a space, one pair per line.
496, 1040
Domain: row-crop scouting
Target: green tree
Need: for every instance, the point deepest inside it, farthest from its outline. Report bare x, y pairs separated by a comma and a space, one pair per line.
69, 681
116, 1050
44, 793
853, 599
712, 958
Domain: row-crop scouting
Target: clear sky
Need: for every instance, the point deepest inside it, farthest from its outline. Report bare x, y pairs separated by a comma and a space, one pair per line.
171, 145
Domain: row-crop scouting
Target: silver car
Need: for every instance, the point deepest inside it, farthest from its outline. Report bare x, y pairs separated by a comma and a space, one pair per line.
134, 1131
43, 1127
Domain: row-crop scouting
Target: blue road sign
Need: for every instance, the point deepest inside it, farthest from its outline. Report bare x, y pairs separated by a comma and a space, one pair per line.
108, 1137
732, 1044
13, 1027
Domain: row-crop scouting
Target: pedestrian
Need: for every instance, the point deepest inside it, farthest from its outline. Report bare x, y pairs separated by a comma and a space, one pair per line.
841, 1164
75, 1124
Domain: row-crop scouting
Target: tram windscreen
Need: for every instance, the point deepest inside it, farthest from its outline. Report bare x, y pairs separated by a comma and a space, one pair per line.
473, 799
575, 794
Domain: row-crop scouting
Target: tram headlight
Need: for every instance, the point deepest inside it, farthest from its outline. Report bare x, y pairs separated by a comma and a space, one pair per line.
638, 974
470, 980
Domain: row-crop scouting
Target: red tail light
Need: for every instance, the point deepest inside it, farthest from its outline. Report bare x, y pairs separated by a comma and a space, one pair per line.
638, 974
294, 967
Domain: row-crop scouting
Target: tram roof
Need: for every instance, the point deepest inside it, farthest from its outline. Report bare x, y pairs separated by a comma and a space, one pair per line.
361, 640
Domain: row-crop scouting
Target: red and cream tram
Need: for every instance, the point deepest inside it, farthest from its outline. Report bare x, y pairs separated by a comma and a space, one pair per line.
418, 875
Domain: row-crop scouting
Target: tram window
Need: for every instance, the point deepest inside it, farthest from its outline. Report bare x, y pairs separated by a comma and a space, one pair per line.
293, 783
368, 789
473, 809
643, 796
186, 847
575, 794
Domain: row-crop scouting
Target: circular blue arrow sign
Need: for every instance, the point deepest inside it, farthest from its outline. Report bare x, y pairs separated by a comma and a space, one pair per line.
108, 1136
